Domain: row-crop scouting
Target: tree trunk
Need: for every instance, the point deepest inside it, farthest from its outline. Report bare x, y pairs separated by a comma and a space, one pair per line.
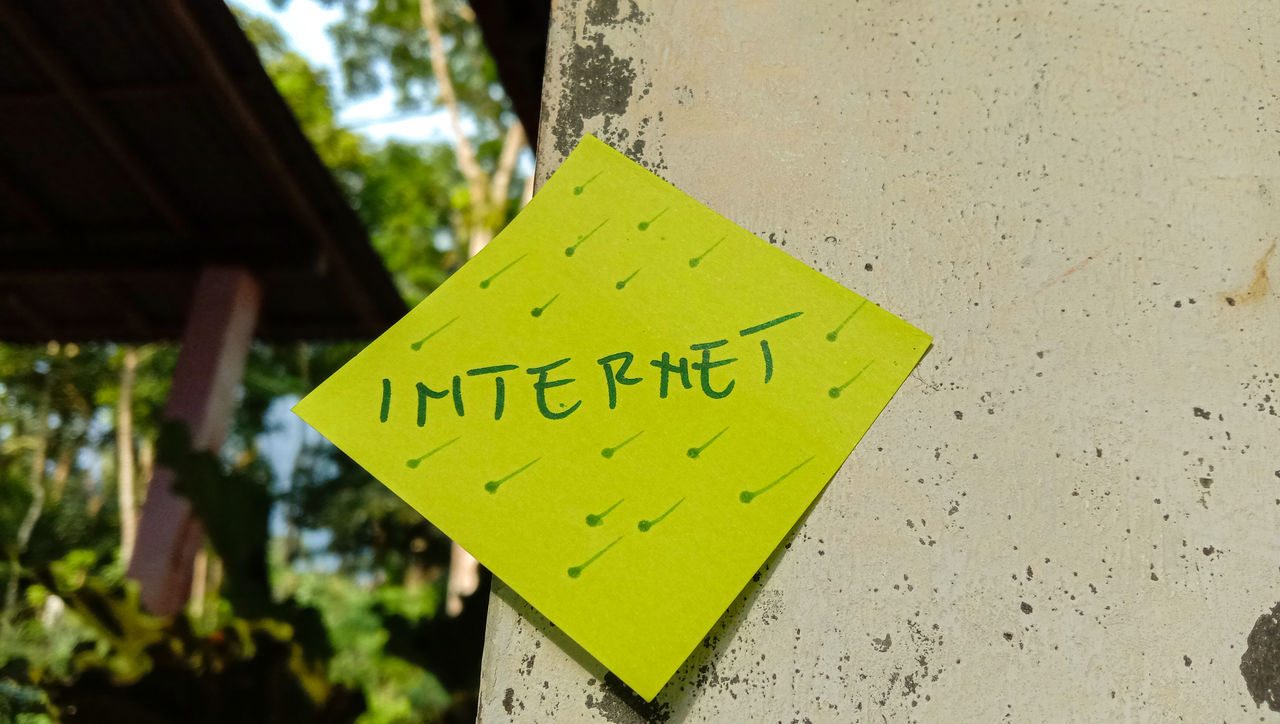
488, 199
464, 578
93, 495
481, 235
526, 195
199, 579
124, 450
61, 471
39, 458
214, 588
489, 202
146, 468
418, 571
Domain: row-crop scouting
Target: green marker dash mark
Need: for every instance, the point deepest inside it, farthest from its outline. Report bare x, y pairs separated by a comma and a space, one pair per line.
622, 284
609, 451
771, 323
833, 334
694, 452
493, 485
746, 496
695, 261
595, 519
646, 224
577, 190
583, 237
834, 392
644, 525
575, 571
484, 284
418, 345
537, 311
418, 460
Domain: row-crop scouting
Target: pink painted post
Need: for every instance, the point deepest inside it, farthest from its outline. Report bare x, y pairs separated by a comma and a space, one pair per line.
220, 323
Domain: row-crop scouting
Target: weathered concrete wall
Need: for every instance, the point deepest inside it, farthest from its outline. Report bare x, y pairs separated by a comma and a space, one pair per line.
1071, 511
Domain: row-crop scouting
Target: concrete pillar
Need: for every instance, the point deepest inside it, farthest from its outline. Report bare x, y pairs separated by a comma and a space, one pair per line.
215, 345
1072, 508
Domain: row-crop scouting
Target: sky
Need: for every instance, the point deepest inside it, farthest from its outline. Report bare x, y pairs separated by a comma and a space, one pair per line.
304, 23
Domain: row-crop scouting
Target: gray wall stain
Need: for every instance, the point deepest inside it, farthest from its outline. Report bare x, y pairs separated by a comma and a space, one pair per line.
597, 82
1260, 664
611, 12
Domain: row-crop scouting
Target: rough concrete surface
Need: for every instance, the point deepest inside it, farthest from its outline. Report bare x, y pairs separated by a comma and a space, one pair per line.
1071, 511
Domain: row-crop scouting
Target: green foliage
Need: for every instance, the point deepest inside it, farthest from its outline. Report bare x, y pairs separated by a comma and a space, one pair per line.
278, 640
150, 387
401, 193
370, 525
381, 42
235, 505
308, 94
269, 663
405, 203
44, 639
138, 667
398, 690
422, 220
80, 382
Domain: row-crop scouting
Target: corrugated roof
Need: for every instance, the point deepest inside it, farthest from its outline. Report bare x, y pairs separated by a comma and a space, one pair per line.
141, 140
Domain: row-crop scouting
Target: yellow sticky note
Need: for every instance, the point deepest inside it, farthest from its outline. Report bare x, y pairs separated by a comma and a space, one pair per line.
621, 406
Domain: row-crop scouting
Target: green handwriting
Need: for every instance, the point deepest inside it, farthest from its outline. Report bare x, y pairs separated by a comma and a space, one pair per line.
713, 369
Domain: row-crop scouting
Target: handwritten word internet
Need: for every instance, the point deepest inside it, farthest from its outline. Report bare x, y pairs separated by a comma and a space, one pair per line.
617, 369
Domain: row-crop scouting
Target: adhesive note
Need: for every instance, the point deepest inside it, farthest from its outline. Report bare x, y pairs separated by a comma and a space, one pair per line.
620, 407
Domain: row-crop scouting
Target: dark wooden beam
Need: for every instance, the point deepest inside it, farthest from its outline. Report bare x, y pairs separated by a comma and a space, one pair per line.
117, 93
242, 235
143, 262
30, 317
515, 32
115, 329
127, 314
27, 207
90, 112
135, 319
231, 99
95, 330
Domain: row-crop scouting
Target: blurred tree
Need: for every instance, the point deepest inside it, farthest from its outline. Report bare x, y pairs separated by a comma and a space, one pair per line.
403, 194
125, 468
50, 502
405, 202
419, 204
267, 663
79, 428
432, 54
